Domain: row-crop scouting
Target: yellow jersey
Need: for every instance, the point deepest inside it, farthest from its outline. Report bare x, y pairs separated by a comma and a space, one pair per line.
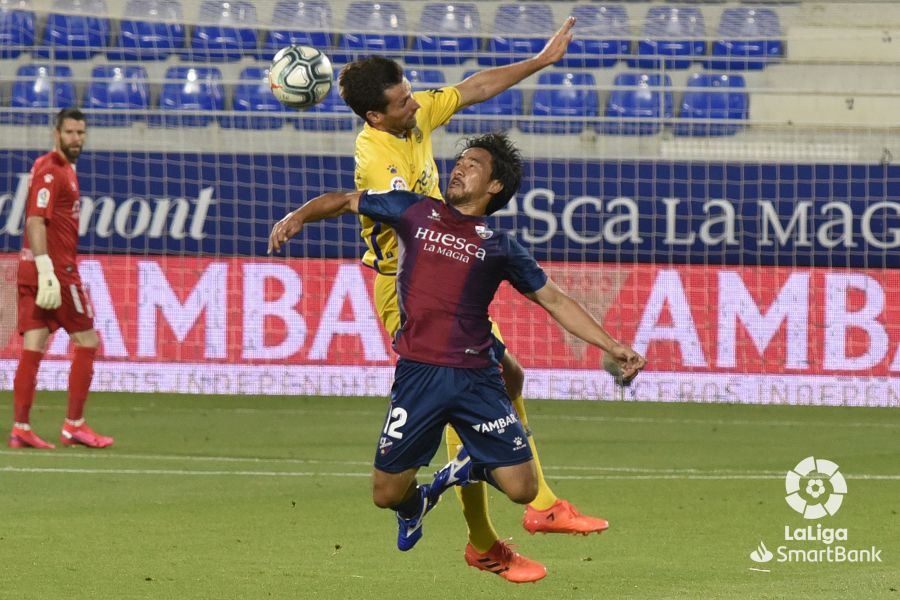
385, 161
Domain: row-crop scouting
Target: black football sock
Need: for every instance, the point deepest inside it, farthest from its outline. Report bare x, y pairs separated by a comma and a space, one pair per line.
409, 507
482, 473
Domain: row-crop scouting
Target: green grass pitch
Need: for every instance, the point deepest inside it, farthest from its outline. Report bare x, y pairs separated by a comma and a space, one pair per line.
268, 497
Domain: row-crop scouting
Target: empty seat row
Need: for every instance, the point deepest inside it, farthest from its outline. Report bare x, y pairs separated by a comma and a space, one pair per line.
639, 104
121, 95
749, 38
154, 29
563, 103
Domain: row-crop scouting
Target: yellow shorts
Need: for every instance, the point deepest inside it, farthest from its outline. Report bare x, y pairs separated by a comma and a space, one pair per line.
385, 291
386, 304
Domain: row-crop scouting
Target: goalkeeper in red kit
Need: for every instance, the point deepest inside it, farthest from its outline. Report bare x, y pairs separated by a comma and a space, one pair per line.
50, 292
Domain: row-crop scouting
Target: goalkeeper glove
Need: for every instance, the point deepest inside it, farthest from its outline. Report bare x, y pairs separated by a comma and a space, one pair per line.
49, 294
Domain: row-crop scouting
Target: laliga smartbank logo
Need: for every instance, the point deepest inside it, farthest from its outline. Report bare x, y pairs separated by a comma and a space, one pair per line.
815, 488
816, 474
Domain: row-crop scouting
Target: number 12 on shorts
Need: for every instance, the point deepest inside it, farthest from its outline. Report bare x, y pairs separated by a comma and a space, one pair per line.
395, 420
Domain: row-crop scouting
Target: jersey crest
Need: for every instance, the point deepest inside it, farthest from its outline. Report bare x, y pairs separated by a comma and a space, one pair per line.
483, 232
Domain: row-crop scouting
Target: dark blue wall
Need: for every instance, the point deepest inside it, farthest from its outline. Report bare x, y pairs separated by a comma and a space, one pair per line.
250, 192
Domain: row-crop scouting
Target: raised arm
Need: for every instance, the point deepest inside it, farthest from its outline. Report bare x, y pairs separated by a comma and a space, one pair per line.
579, 322
490, 82
331, 204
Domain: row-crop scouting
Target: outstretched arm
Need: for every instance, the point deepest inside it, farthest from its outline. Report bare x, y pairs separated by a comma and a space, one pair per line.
331, 204
490, 82
579, 322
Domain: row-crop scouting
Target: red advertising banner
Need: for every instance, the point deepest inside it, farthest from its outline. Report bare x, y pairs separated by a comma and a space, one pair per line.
730, 329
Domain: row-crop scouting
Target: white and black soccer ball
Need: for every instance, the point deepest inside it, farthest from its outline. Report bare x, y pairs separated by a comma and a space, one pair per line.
300, 76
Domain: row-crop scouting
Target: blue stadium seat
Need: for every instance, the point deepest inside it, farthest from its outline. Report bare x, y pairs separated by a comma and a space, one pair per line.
150, 30
450, 35
47, 87
332, 114
373, 28
195, 89
117, 89
749, 39
710, 98
225, 31
571, 96
676, 31
520, 31
425, 79
254, 95
16, 27
304, 23
639, 104
76, 31
602, 36
498, 113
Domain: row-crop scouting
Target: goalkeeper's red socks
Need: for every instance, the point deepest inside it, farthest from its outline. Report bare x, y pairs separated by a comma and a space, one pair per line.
75, 431
80, 376
24, 384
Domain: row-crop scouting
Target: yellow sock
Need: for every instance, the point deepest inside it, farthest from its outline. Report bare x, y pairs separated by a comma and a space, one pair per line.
545, 496
474, 501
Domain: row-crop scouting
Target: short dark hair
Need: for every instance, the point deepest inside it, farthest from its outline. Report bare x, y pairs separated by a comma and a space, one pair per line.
506, 165
68, 113
363, 82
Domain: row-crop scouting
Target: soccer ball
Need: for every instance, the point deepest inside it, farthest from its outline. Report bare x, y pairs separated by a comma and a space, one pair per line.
300, 76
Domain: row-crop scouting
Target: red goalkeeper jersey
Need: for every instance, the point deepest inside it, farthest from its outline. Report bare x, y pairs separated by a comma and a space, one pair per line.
53, 193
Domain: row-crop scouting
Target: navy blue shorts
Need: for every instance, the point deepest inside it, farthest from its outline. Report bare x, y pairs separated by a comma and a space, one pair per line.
425, 398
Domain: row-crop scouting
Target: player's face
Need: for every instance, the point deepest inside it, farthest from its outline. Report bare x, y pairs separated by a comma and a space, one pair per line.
470, 179
400, 115
70, 138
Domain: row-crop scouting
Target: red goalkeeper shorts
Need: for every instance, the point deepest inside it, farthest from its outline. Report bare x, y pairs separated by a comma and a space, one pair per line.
74, 314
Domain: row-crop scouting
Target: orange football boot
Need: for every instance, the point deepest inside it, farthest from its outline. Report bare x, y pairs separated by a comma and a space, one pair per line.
26, 438
562, 517
82, 434
508, 564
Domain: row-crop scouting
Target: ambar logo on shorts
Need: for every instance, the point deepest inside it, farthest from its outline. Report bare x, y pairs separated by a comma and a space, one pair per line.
815, 489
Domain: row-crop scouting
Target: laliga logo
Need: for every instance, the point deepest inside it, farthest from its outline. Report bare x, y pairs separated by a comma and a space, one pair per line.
818, 474
815, 489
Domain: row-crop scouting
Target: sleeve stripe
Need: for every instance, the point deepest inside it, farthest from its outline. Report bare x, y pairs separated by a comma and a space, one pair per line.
373, 238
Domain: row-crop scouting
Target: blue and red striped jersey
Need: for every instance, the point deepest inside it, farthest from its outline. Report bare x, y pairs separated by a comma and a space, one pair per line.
449, 269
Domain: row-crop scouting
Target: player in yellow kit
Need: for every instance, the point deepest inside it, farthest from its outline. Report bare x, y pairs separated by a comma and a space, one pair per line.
394, 152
